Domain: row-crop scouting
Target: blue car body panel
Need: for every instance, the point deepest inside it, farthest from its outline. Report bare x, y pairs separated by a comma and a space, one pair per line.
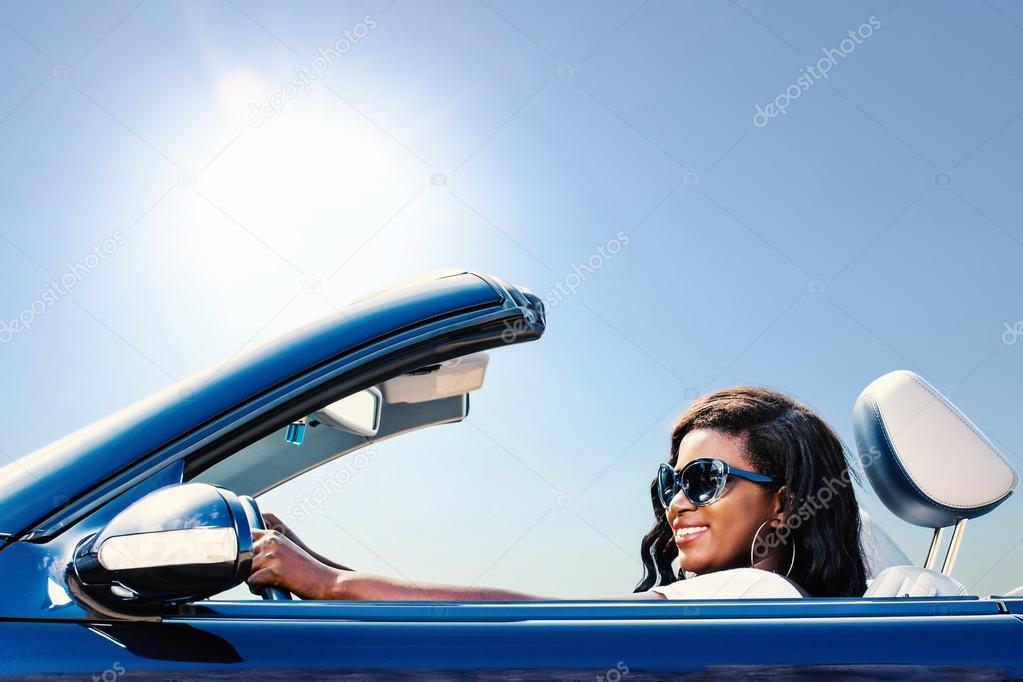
541, 641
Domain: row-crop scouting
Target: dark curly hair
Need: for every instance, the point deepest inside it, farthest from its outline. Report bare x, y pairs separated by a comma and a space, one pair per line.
790, 443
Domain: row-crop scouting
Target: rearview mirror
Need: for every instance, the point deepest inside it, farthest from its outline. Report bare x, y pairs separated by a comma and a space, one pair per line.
358, 413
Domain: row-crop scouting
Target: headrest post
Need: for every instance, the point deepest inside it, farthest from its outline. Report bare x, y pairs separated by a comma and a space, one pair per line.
953, 547
932, 553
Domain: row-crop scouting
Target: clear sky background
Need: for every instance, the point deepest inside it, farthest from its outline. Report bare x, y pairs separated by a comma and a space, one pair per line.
875, 225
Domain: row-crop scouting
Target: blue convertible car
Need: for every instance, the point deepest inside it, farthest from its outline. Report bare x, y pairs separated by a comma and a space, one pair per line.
113, 539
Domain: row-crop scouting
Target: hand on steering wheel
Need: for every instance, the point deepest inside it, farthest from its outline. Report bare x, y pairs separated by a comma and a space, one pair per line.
256, 523
279, 562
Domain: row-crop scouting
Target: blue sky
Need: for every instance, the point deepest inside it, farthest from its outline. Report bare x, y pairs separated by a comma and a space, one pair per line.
874, 225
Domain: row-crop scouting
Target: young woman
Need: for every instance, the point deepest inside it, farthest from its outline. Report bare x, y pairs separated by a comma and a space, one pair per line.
802, 521
754, 480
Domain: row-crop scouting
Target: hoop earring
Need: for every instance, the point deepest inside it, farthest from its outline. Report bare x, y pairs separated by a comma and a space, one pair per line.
792, 562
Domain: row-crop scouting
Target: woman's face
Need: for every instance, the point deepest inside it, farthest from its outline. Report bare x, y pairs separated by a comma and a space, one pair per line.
724, 529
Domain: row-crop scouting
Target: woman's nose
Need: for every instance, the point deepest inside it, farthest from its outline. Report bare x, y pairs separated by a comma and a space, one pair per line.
680, 503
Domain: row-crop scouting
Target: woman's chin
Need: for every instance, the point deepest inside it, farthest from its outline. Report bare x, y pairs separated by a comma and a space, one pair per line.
693, 562
696, 555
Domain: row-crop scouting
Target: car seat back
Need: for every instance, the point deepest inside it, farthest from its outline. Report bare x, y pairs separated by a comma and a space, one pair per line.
913, 581
927, 462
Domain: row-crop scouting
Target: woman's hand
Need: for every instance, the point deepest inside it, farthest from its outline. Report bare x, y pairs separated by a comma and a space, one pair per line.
273, 523
279, 562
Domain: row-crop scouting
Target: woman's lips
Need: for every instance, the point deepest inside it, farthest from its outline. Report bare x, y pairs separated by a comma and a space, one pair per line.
687, 535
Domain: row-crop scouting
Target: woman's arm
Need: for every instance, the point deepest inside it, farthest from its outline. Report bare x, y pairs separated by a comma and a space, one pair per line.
280, 562
377, 587
366, 586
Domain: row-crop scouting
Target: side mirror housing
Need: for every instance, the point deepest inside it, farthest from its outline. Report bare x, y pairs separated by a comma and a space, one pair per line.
177, 544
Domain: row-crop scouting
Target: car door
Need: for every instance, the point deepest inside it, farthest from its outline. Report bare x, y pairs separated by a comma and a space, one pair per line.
603, 640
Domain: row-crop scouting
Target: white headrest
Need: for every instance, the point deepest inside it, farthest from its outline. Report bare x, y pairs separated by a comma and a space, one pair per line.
925, 459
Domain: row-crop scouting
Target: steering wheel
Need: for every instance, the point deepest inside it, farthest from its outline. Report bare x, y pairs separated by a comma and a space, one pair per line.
256, 521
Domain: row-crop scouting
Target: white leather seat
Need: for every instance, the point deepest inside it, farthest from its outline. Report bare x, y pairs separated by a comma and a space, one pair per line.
930, 465
912, 581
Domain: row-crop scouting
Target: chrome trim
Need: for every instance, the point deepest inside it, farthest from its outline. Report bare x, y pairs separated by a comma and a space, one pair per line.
953, 547
932, 553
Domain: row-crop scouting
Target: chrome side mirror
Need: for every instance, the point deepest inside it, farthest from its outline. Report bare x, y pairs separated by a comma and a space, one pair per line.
177, 544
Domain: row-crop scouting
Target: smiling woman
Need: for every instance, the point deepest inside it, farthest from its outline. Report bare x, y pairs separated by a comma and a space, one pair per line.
722, 515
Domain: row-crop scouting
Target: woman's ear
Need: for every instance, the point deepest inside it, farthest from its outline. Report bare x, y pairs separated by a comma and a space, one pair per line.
778, 505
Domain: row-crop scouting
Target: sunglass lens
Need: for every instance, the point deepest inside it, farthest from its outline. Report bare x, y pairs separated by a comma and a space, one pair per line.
666, 484
701, 481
